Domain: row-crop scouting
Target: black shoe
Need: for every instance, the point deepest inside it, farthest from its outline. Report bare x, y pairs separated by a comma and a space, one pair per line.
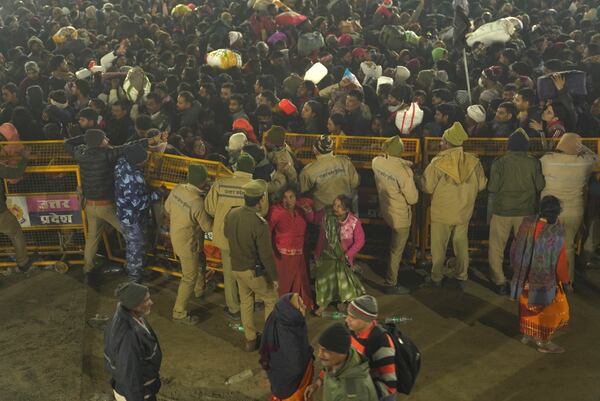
461, 285
88, 278
34, 257
230, 315
395, 290
502, 289
429, 283
189, 320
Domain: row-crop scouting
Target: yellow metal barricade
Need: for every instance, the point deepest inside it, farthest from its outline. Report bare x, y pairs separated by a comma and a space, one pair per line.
163, 170
45, 202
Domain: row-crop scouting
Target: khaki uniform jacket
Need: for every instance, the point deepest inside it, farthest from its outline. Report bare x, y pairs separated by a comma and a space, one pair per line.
225, 194
453, 178
327, 177
188, 219
249, 241
396, 189
285, 155
566, 177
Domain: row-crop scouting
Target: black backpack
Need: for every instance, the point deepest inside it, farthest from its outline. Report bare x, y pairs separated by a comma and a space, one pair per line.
407, 358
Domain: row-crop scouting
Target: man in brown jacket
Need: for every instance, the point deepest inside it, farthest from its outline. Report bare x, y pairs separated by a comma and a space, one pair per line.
252, 259
397, 192
225, 194
189, 221
454, 178
328, 176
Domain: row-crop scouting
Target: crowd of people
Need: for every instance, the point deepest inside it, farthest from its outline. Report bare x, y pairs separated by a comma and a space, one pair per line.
226, 81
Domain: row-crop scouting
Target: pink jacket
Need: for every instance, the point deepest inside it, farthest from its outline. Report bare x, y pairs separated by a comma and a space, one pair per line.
351, 233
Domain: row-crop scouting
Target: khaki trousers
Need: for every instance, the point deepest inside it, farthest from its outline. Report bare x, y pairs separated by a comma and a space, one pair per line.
440, 235
191, 282
397, 244
500, 229
232, 298
97, 217
572, 225
10, 227
249, 286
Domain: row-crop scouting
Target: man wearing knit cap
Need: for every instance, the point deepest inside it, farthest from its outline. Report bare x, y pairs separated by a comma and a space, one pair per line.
373, 341
278, 152
454, 178
189, 221
96, 160
475, 121
132, 353
133, 199
396, 193
515, 183
328, 176
345, 375
567, 171
252, 260
225, 194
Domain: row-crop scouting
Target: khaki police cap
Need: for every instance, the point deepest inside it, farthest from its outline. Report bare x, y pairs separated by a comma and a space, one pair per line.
255, 188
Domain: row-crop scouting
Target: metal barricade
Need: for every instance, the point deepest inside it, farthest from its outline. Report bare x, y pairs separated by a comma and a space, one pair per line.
164, 170
45, 202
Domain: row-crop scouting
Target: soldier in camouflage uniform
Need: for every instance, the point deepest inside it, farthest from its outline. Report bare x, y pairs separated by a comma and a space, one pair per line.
133, 199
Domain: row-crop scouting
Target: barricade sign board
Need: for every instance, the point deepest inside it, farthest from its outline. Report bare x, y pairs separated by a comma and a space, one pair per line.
45, 210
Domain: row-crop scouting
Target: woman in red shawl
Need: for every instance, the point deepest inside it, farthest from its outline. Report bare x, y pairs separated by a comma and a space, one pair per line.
539, 260
288, 221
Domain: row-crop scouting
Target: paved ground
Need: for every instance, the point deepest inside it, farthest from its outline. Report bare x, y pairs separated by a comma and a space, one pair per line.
470, 344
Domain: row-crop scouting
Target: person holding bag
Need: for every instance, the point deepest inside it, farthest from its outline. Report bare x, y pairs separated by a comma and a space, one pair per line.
539, 260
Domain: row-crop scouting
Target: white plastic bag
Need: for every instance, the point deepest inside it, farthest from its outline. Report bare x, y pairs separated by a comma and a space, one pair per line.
224, 59
409, 119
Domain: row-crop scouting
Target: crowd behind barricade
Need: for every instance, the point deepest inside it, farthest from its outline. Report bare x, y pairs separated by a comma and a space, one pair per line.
226, 81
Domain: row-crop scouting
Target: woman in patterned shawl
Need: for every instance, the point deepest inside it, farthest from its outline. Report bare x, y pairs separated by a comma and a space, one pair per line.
539, 261
340, 238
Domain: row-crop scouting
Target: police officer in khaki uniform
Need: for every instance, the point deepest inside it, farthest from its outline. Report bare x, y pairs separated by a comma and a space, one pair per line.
329, 176
454, 178
252, 259
279, 153
397, 192
189, 221
226, 193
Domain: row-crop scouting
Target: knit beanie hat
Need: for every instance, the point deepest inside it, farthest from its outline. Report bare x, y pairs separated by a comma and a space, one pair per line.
438, 53
518, 141
131, 294
94, 137
197, 174
335, 338
275, 135
135, 154
401, 74
363, 308
32, 66
570, 144
245, 163
237, 141
324, 144
393, 146
476, 112
455, 135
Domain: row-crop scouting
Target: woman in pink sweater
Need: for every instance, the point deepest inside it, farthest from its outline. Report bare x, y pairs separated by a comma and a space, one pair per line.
340, 239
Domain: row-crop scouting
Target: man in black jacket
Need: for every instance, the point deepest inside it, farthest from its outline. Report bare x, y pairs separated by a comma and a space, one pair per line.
132, 353
96, 159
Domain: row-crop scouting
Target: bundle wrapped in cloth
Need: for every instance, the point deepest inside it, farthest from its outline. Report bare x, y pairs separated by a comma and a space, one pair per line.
224, 59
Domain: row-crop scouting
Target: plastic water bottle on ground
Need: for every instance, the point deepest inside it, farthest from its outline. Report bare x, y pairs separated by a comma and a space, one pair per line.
236, 326
333, 315
243, 375
398, 319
